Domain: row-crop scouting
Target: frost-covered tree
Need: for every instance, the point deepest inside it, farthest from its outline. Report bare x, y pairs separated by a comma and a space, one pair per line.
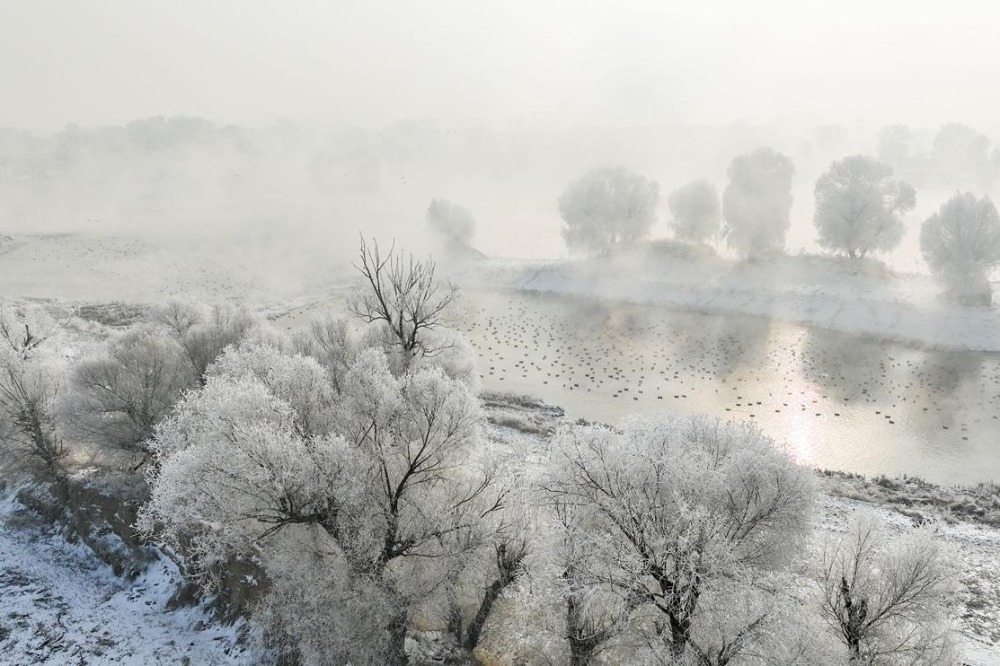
451, 222
508, 555
297, 380
886, 598
858, 207
694, 212
405, 297
28, 392
177, 316
397, 492
29, 388
213, 329
961, 243
335, 342
490, 573
607, 206
332, 341
757, 202
117, 394
665, 513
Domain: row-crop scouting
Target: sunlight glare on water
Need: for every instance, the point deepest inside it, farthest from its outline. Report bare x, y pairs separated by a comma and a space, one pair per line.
832, 400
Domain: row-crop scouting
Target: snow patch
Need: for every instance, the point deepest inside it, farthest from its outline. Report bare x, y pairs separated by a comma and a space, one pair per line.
62, 606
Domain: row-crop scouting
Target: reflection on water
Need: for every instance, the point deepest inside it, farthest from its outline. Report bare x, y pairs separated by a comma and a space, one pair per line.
834, 400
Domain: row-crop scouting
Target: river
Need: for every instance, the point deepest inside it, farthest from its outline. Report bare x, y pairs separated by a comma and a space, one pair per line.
832, 400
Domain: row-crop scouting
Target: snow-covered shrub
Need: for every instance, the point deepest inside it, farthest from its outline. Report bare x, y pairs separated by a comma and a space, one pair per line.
454, 355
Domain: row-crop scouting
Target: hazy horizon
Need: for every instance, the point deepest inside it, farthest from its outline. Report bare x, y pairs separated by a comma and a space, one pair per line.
554, 64
494, 106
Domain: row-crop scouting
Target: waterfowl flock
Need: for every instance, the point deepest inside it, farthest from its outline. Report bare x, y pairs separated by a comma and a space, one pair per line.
603, 361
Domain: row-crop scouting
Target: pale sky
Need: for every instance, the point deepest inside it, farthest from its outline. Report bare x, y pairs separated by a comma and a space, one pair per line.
556, 62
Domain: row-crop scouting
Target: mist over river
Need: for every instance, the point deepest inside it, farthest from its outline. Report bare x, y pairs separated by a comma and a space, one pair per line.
834, 400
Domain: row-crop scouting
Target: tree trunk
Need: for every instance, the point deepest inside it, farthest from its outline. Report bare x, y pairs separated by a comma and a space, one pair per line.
680, 630
582, 643
475, 628
581, 651
396, 653
857, 613
509, 558
455, 621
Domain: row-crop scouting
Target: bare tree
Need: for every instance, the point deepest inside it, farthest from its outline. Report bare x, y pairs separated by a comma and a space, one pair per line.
405, 295
117, 395
887, 599
210, 332
330, 341
28, 390
177, 316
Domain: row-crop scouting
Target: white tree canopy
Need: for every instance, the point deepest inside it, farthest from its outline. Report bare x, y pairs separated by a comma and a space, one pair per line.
664, 510
757, 202
961, 242
390, 477
607, 206
858, 206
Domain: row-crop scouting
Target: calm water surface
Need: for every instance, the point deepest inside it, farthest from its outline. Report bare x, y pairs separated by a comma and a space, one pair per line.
834, 400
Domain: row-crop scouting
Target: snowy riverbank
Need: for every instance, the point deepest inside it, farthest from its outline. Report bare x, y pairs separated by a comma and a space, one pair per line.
62, 606
521, 424
816, 291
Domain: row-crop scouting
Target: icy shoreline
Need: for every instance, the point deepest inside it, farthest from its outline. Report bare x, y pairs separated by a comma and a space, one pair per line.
813, 291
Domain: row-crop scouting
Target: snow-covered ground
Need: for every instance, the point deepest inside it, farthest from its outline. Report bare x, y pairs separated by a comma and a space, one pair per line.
812, 290
89, 268
60, 605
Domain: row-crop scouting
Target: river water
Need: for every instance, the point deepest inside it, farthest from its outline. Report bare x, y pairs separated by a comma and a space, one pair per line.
832, 400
